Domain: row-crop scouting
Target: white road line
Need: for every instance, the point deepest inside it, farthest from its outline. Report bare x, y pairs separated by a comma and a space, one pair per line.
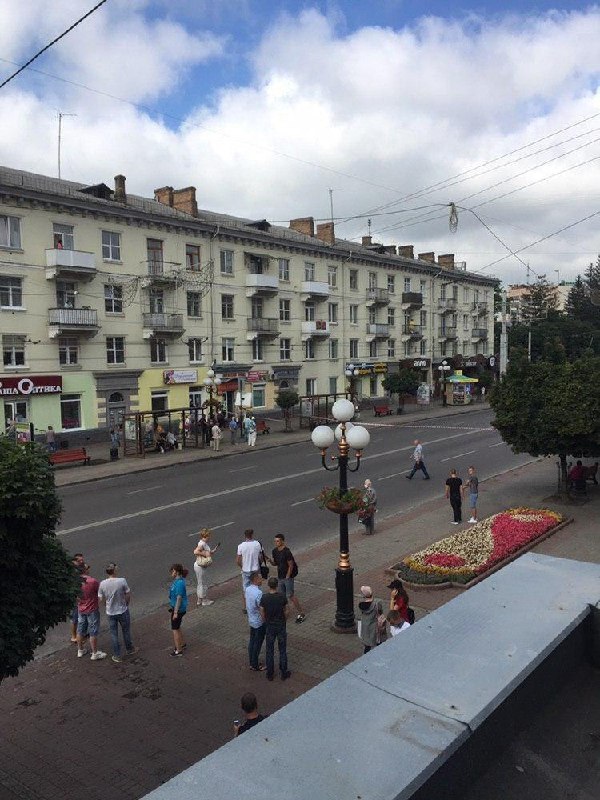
393, 475
496, 445
214, 528
300, 502
458, 455
145, 489
243, 469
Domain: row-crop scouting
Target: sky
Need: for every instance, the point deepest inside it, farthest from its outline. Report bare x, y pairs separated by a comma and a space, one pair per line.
379, 114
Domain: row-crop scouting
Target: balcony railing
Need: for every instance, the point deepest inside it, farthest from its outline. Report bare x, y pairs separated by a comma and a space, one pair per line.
380, 330
480, 308
448, 303
479, 333
259, 282
412, 299
448, 333
317, 327
315, 288
415, 331
73, 317
375, 295
268, 325
162, 322
76, 262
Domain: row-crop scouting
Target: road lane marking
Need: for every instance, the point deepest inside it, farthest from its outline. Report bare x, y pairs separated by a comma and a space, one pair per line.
458, 455
213, 528
146, 489
393, 475
243, 469
496, 445
300, 502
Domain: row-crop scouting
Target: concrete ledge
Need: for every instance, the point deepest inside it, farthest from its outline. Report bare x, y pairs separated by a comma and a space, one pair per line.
387, 723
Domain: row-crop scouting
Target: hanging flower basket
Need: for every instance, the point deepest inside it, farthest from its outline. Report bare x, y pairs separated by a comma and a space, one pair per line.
350, 502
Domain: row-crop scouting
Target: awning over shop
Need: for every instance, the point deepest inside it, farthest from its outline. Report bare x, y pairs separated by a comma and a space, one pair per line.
228, 386
458, 377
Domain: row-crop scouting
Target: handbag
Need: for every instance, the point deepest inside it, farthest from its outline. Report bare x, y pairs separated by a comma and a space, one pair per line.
204, 561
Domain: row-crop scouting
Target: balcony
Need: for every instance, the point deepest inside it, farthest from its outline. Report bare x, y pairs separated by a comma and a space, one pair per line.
157, 275
161, 324
377, 330
377, 297
413, 331
448, 333
262, 326
259, 283
412, 300
318, 290
70, 263
315, 329
481, 309
75, 321
479, 334
448, 303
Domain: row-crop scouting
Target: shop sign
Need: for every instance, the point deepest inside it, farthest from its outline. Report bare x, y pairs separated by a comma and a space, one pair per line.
33, 384
287, 374
470, 362
415, 363
369, 368
492, 361
173, 376
253, 376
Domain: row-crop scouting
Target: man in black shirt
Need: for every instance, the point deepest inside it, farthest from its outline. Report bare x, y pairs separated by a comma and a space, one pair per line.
287, 570
274, 611
250, 708
453, 485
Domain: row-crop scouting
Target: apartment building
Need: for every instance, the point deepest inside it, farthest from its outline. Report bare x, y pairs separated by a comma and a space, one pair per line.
112, 303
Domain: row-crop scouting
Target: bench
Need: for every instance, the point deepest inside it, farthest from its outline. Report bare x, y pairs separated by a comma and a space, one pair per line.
262, 427
69, 456
382, 410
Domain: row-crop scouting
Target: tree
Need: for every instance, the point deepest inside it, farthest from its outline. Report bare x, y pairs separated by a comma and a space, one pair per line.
545, 408
286, 399
403, 382
582, 303
39, 585
540, 300
577, 337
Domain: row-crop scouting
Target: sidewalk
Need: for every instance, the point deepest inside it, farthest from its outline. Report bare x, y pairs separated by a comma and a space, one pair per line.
78, 729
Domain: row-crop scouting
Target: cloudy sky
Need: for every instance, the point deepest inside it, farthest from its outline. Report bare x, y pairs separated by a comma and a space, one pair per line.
398, 106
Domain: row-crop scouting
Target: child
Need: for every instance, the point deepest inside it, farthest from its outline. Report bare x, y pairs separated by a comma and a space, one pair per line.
397, 623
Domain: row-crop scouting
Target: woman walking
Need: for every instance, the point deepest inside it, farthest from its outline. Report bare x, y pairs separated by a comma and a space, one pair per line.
204, 556
399, 599
177, 606
371, 619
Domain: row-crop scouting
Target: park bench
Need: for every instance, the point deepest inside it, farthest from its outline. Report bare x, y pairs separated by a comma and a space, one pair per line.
262, 427
382, 410
69, 456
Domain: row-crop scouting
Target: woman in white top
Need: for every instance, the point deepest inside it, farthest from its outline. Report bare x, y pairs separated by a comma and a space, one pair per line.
201, 552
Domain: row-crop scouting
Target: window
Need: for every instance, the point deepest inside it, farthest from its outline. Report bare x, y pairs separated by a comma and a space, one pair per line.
332, 277
443, 291
373, 349
70, 411
372, 280
423, 347
226, 306
68, 352
195, 396
466, 322
195, 351
391, 280
159, 400
11, 292
66, 293
227, 352
353, 315
154, 249
407, 284
283, 265
353, 348
257, 308
423, 319
408, 323
476, 295
13, 350
115, 350
10, 232
333, 349
194, 304
284, 311
391, 316
333, 384
113, 298
354, 279
372, 315
158, 351
257, 350
111, 246
465, 347
309, 271
391, 348
226, 257
407, 348
192, 257
309, 349
156, 301
423, 288
285, 350
258, 395
443, 348
309, 312
63, 237
373, 386
311, 386
333, 313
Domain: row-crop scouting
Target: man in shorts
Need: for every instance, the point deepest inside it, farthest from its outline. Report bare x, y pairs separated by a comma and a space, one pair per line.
88, 622
248, 560
287, 569
472, 487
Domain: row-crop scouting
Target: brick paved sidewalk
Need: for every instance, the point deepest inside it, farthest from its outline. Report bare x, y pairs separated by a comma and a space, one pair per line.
76, 729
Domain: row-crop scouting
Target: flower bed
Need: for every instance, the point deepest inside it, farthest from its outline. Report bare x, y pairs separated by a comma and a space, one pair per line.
467, 555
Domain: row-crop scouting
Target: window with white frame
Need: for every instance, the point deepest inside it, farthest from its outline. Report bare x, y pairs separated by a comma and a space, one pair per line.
13, 350
227, 348
333, 313
154, 256
156, 298
309, 271
257, 308
311, 386
115, 350
333, 384
11, 292
309, 349
285, 311
257, 350
333, 348
332, 276
407, 284
309, 312
226, 259
192, 257
423, 347
391, 348
353, 348
443, 291
391, 282
10, 232
407, 348
353, 315
465, 347
423, 319
391, 316
423, 289
372, 315
195, 396
372, 280
226, 306
373, 349
70, 412
466, 294
66, 292
466, 322
68, 351
283, 266
111, 246
258, 395
63, 237
194, 304
113, 298
195, 351
159, 400
353, 278
285, 349
158, 351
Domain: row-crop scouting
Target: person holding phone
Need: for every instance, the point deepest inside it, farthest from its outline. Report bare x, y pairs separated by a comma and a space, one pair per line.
204, 554
249, 705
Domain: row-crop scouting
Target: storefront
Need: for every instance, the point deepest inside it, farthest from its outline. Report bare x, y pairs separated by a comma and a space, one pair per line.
164, 389
365, 378
419, 365
117, 394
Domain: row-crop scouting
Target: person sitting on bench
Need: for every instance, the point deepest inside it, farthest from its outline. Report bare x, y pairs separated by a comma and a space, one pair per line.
577, 477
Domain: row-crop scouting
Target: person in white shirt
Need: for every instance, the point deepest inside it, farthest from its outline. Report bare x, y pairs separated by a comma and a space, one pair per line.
115, 593
248, 559
216, 436
397, 623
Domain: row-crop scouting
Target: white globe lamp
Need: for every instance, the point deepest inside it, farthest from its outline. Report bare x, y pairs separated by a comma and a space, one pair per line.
322, 437
343, 410
358, 437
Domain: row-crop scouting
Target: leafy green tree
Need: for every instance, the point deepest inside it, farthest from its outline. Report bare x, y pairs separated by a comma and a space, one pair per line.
540, 301
545, 408
38, 584
286, 399
405, 381
583, 302
577, 337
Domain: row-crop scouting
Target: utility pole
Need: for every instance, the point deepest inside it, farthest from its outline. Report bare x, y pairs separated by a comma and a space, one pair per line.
60, 116
503, 338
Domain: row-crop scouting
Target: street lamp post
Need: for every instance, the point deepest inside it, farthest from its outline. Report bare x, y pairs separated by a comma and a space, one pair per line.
211, 382
348, 436
444, 368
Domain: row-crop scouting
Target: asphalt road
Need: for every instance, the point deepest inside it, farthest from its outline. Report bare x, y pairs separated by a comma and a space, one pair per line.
149, 520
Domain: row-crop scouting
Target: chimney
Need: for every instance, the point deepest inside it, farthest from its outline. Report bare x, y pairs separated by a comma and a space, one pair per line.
406, 250
446, 261
305, 225
164, 195
119, 195
326, 232
427, 257
367, 240
185, 200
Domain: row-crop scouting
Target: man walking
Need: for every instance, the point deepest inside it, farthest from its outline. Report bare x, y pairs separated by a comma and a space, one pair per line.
250, 428
88, 622
453, 493
472, 486
418, 461
232, 429
115, 593
248, 560
255, 621
274, 612
287, 570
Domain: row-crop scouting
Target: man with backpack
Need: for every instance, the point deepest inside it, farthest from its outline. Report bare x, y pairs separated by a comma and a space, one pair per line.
287, 569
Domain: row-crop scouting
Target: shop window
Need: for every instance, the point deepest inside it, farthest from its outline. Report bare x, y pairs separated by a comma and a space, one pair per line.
195, 396
258, 395
373, 385
70, 412
159, 401
68, 351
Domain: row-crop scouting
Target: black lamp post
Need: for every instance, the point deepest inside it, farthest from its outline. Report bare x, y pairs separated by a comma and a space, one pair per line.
444, 369
348, 436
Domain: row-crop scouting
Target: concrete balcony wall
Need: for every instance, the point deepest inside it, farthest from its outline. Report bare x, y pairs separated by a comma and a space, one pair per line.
315, 288
412, 300
259, 282
378, 330
448, 333
158, 323
263, 325
318, 327
73, 262
479, 333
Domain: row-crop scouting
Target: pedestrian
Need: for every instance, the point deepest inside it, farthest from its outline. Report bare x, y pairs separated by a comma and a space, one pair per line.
255, 621
216, 436
367, 515
50, 440
472, 486
79, 563
453, 493
399, 600
88, 619
204, 554
274, 611
248, 560
177, 606
233, 426
114, 445
249, 705
115, 593
371, 619
250, 428
287, 570
418, 461
397, 623
483, 394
